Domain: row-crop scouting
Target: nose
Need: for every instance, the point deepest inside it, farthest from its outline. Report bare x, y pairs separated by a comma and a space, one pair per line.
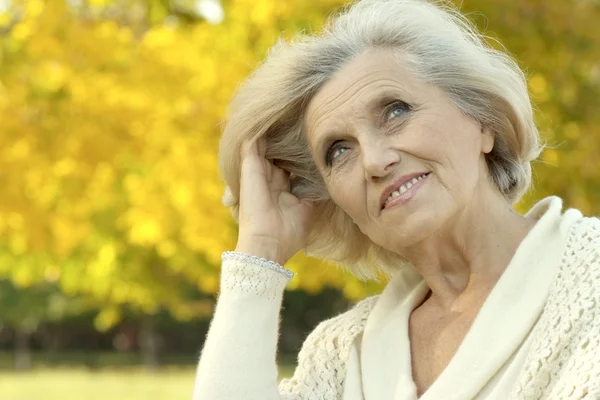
379, 160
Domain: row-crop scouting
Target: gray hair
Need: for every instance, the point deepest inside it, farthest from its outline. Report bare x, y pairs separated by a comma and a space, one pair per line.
437, 43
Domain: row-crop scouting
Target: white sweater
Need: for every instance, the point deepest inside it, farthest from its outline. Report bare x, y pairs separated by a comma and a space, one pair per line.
537, 335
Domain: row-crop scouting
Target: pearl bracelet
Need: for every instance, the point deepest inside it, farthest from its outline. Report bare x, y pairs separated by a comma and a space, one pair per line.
261, 262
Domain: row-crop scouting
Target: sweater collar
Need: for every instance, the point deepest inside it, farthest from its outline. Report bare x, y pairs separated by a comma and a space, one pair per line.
508, 314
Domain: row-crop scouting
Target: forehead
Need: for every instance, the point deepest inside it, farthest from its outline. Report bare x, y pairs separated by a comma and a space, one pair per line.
355, 86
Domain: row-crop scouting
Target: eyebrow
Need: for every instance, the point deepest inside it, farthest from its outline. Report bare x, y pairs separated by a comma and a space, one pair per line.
377, 102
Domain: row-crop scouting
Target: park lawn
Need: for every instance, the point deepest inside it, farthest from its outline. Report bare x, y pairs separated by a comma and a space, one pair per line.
78, 384
115, 384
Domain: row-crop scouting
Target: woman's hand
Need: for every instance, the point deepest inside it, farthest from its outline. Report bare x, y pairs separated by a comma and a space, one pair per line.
274, 223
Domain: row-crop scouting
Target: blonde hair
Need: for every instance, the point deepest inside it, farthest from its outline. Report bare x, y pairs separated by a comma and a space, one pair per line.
436, 42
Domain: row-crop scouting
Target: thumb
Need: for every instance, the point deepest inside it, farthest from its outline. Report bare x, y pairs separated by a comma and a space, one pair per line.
308, 209
307, 203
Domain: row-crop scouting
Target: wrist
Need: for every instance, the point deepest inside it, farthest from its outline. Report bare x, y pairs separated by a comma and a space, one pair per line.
257, 261
268, 249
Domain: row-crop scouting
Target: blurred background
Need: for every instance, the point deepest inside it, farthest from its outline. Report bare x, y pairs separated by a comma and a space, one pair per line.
111, 226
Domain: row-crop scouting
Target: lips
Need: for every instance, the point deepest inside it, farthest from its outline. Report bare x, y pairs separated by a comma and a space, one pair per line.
397, 185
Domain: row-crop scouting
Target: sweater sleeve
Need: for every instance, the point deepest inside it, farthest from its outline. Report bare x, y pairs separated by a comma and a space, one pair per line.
238, 360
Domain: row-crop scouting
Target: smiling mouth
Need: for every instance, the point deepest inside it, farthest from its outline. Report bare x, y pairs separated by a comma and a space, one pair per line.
403, 189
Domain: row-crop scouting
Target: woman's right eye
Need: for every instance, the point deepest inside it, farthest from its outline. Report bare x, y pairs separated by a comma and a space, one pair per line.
336, 150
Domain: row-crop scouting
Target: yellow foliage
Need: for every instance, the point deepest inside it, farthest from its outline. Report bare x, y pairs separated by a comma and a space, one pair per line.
110, 131
107, 318
572, 130
538, 87
550, 156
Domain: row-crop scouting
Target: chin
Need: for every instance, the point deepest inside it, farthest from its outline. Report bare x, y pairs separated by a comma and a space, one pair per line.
409, 233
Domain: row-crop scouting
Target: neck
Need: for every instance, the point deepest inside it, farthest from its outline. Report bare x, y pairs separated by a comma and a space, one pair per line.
468, 254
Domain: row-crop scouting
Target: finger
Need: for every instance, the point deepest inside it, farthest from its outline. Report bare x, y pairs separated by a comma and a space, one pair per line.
253, 170
309, 211
261, 146
251, 161
280, 179
247, 148
261, 150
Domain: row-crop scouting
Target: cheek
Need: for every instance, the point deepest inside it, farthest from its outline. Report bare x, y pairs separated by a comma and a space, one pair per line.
455, 146
344, 197
349, 196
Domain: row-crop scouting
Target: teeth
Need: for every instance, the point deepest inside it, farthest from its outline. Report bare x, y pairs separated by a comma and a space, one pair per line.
403, 188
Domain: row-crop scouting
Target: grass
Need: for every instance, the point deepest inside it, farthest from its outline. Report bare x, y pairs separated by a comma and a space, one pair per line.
95, 359
77, 384
115, 384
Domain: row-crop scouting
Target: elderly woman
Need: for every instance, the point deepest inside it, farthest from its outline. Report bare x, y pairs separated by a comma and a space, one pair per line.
398, 141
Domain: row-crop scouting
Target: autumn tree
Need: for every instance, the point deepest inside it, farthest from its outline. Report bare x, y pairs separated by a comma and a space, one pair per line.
111, 114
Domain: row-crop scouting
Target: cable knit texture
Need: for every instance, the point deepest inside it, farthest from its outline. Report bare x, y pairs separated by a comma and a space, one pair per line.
322, 359
253, 279
563, 362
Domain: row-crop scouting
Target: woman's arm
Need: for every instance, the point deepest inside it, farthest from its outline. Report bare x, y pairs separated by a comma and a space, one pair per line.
238, 360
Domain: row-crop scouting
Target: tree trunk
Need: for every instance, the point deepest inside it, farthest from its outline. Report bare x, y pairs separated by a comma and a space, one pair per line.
148, 343
22, 352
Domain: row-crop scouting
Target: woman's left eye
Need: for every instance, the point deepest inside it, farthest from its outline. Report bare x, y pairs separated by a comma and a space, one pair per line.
396, 109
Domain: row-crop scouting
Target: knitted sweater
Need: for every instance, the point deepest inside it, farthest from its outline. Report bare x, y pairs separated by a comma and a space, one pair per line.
556, 354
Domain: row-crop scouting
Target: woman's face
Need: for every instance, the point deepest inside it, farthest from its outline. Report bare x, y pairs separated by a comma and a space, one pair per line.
395, 154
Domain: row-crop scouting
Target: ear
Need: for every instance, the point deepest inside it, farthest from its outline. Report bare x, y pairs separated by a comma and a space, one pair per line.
487, 139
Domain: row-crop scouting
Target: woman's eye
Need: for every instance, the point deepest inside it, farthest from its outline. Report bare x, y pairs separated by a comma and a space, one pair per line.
396, 109
334, 152
338, 151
